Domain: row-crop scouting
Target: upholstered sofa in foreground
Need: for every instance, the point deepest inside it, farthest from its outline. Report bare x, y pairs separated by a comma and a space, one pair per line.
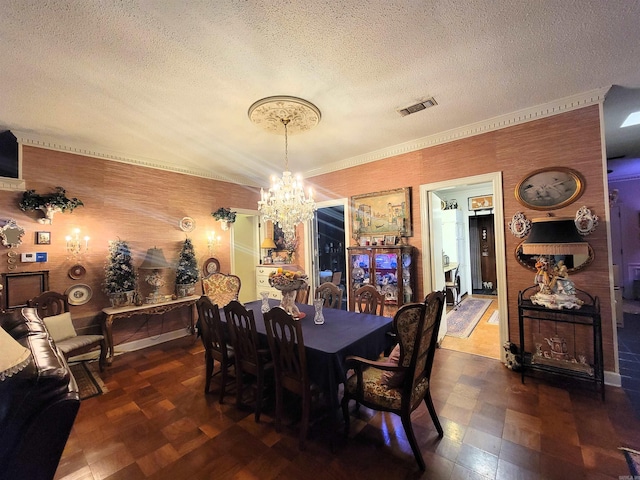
39, 401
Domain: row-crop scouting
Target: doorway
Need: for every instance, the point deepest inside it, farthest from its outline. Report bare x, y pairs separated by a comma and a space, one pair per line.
326, 246
482, 255
433, 210
245, 252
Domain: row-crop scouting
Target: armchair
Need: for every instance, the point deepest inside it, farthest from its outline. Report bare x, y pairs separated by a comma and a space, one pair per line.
401, 384
53, 308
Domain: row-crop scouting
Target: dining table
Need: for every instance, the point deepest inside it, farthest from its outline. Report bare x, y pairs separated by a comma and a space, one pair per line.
328, 344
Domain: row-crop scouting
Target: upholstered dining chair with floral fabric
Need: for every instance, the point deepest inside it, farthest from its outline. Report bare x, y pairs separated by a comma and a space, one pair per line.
401, 383
215, 344
250, 358
53, 309
221, 288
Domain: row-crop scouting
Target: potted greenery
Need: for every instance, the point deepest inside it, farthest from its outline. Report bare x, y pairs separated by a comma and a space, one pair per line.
120, 277
49, 203
187, 272
225, 216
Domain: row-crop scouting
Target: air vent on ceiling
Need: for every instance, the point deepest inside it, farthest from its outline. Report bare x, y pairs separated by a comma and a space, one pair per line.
429, 102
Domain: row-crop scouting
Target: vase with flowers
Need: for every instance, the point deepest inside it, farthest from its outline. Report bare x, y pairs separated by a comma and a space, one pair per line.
288, 282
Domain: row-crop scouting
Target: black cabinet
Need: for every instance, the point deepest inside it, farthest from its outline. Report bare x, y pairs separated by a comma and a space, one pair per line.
566, 341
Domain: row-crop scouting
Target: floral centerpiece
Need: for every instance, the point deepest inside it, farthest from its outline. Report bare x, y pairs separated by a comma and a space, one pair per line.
288, 282
120, 277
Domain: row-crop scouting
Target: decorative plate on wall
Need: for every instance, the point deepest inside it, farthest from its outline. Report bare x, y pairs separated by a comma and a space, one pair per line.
79, 294
211, 265
77, 272
187, 224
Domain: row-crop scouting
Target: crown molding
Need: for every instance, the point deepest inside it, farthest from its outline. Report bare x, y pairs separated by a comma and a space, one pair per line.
34, 140
556, 107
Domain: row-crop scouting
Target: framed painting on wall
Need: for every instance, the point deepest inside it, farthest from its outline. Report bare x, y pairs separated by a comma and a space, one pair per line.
549, 188
382, 213
482, 202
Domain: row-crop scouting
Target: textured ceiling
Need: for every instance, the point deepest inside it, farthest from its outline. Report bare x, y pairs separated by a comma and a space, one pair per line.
170, 82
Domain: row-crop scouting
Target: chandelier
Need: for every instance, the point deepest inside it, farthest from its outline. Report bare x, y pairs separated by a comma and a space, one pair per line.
285, 203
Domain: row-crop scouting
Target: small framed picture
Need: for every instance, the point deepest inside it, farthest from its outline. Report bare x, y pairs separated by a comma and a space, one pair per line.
389, 239
365, 241
43, 238
483, 202
377, 239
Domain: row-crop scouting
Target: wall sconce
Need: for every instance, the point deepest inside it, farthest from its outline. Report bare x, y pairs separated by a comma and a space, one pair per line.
212, 241
75, 245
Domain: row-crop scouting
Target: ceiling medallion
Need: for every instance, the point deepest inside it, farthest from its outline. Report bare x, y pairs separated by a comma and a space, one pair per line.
285, 203
269, 113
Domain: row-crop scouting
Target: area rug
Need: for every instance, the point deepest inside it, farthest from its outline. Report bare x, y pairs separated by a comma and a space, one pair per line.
494, 319
88, 379
462, 320
633, 460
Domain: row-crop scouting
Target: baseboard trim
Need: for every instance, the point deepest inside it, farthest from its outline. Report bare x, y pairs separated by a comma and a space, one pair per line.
613, 379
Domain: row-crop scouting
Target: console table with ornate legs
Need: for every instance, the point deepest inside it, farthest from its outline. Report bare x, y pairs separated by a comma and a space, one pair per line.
113, 313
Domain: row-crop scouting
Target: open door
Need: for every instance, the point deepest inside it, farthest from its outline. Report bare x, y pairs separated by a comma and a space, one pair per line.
437, 270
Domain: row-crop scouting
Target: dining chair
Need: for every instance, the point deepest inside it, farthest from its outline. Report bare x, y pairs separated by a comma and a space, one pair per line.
367, 299
330, 294
401, 383
284, 334
53, 309
302, 296
215, 344
453, 288
221, 288
250, 358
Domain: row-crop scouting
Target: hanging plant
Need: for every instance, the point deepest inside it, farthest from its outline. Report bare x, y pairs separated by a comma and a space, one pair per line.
225, 216
49, 203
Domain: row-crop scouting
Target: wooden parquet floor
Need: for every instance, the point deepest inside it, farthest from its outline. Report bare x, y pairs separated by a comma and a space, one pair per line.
155, 422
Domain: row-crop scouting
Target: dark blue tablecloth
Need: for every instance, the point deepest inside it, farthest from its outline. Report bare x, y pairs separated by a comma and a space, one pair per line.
327, 345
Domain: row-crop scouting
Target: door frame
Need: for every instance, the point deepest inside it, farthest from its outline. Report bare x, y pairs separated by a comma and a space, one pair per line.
429, 278
311, 254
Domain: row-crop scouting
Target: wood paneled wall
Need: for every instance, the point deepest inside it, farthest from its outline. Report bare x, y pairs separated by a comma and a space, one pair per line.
144, 206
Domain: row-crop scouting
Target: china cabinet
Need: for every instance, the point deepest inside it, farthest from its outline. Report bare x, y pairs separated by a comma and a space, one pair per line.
390, 268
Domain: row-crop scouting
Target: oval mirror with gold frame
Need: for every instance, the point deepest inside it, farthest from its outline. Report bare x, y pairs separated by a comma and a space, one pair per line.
574, 263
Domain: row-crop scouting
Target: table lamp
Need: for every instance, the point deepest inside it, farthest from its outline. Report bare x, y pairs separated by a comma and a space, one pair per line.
154, 261
13, 356
549, 238
268, 244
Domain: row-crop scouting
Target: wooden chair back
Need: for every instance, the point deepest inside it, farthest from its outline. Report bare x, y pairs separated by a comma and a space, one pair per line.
250, 358
302, 295
214, 341
331, 294
367, 299
221, 288
286, 343
49, 303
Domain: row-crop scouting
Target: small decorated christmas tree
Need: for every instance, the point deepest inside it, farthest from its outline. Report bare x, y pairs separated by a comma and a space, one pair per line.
119, 273
187, 271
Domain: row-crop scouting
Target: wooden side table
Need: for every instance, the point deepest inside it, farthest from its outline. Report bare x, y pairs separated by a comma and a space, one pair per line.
113, 313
